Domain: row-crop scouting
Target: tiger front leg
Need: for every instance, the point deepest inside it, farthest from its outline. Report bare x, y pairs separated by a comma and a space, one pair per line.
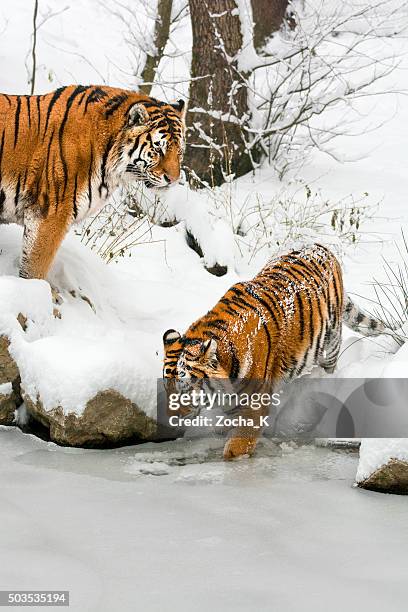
41, 240
239, 444
242, 440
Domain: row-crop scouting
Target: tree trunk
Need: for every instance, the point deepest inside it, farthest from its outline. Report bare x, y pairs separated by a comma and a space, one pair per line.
268, 16
161, 35
215, 146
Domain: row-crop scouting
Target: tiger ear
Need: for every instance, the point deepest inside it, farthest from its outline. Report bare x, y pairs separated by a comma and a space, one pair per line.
181, 107
137, 115
170, 337
209, 350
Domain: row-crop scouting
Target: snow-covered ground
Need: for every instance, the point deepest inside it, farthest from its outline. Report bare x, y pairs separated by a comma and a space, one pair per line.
134, 528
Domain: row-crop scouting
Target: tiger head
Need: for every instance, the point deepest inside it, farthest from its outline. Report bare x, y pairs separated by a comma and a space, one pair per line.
186, 358
152, 148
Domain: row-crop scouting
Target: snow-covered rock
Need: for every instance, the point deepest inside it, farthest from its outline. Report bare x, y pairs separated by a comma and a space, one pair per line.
92, 415
78, 373
383, 465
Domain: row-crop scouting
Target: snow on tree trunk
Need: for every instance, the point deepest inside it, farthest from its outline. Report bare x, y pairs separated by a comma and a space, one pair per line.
218, 99
383, 465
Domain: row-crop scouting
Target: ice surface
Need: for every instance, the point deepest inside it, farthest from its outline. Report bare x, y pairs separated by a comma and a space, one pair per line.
156, 528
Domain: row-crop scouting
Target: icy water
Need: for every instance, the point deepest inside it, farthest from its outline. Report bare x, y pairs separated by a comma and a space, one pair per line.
172, 527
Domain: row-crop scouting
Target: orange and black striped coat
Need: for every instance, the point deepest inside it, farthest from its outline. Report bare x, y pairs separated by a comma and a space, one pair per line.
63, 153
274, 327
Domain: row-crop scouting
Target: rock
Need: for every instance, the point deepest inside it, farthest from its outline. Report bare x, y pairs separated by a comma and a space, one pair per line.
389, 478
8, 367
108, 419
22, 319
217, 269
7, 405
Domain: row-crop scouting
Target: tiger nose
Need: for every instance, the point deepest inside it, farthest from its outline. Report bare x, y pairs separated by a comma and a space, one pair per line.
169, 177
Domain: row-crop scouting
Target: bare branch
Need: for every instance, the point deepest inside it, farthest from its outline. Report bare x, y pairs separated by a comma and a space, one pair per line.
34, 48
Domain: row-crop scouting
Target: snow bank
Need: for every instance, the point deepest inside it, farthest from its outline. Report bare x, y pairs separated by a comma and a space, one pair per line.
398, 366
67, 361
112, 318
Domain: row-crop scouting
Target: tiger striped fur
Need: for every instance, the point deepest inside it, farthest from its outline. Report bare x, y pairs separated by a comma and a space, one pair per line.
274, 327
62, 154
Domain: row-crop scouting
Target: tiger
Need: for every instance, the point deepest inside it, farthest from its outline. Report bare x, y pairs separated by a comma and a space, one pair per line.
273, 328
62, 154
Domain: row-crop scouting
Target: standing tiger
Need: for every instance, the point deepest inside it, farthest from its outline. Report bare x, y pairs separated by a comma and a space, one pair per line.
63, 153
274, 327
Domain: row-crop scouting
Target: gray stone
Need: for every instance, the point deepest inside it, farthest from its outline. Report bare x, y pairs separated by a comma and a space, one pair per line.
109, 418
8, 367
7, 407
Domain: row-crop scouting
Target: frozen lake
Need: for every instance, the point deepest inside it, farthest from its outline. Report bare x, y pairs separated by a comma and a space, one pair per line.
153, 528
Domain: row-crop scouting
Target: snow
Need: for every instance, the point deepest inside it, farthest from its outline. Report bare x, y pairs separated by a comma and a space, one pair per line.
285, 530
375, 453
398, 366
247, 56
118, 346
62, 58
5, 389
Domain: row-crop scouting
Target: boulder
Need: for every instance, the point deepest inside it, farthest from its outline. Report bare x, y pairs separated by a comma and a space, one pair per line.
8, 367
108, 419
392, 477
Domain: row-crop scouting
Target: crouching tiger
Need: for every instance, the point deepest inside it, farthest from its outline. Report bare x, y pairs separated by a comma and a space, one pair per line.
63, 153
274, 327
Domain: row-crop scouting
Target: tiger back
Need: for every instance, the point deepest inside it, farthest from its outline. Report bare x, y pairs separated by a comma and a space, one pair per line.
272, 327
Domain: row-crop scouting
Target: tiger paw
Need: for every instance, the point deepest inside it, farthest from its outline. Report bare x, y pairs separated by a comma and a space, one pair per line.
236, 447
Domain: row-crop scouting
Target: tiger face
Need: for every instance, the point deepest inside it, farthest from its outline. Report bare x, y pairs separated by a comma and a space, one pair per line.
154, 143
189, 358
